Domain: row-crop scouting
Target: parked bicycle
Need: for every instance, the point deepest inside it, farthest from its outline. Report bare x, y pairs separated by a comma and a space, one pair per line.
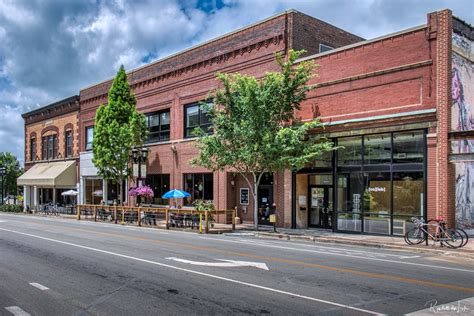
434, 230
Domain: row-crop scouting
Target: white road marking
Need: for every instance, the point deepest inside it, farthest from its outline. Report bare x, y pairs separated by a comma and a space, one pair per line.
347, 255
39, 286
3, 221
226, 264
15, 310
309, 298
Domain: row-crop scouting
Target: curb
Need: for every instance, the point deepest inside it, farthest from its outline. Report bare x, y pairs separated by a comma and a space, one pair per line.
468, 254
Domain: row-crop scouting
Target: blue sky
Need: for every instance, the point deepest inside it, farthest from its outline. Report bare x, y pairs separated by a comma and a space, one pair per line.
51, 49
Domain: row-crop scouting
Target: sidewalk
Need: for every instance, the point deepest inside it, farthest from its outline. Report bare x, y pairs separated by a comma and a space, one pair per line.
383, 242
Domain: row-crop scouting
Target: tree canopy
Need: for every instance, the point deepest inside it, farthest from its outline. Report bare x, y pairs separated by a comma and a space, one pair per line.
255, 129
12, 172
118, 128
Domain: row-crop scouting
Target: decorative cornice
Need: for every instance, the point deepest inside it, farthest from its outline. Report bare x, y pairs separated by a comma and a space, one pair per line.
222, 58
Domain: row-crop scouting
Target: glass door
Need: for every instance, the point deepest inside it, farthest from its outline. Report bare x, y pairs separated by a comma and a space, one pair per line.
320, 211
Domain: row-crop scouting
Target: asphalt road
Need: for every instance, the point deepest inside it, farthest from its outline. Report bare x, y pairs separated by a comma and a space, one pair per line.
54, 266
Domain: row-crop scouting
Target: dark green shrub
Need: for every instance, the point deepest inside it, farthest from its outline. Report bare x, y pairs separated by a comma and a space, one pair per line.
11, 208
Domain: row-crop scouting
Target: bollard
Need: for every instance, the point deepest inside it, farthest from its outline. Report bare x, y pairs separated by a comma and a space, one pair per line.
206, 228
233, 219
95, 213
167, 219
200, 223
78, 210
115, 214
123, 216
139, 216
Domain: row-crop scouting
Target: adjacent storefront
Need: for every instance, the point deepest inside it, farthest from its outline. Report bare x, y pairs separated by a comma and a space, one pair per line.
373, 184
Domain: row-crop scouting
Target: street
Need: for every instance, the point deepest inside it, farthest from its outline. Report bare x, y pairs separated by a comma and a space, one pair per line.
56, 266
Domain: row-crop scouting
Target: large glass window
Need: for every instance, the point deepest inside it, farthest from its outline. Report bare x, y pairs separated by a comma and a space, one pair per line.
158, 125
32, 149
160, 183
197, 115
408, 147
200, 186
68, 138
93, 191
49, 147
381, 192
350, 151
89, 137
377, 149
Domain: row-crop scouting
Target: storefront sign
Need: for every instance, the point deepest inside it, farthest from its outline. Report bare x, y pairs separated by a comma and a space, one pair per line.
377, 189
244, 196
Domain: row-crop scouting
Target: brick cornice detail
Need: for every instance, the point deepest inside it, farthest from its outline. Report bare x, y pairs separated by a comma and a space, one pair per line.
222, 58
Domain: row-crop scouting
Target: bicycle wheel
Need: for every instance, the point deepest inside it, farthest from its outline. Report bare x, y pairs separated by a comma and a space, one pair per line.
452, 238
465, 236
414, 236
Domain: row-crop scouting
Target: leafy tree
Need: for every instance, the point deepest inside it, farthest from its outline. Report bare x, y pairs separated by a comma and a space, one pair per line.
12, 172
255, 128
118, 128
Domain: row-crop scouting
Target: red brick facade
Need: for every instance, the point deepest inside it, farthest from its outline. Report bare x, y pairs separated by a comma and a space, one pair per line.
394, 83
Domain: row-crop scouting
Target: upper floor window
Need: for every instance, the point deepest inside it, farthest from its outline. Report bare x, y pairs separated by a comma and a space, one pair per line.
49, 147
89, 137
32, 149
158, 125
196, 116
68, 144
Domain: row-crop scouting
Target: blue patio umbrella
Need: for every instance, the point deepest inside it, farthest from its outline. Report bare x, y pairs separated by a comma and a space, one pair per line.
176, 194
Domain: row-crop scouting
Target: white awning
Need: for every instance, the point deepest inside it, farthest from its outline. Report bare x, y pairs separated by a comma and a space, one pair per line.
50, 174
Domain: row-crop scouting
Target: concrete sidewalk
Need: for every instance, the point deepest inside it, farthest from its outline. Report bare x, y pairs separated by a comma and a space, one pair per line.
384, 242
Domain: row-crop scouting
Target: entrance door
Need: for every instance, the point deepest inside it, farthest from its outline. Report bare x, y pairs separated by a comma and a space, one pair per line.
265, 201
320, 206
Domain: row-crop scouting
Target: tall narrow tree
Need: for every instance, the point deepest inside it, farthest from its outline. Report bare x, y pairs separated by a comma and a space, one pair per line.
255, 128
118, 128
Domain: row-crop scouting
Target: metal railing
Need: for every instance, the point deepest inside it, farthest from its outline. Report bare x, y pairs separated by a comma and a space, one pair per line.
165, 217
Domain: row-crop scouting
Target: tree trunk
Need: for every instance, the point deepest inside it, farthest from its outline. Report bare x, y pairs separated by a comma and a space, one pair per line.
121, 192
255, 207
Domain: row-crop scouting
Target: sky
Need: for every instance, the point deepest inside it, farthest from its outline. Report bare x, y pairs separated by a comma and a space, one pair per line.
50, 49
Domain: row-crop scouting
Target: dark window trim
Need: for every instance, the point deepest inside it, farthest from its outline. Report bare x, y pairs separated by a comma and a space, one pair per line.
33, 152
186, 128
204, 188
66, 147
160, 138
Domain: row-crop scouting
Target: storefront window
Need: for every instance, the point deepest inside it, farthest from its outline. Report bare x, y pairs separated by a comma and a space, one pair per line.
320, 179
350, 151
377, 149
408, 191
200, 186
408, 147
160, 183
350, 188
93, 191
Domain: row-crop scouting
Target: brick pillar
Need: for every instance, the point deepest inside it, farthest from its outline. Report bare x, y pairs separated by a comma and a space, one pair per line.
442, 22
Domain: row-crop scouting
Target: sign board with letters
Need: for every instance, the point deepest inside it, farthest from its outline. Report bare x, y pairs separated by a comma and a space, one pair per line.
244, 196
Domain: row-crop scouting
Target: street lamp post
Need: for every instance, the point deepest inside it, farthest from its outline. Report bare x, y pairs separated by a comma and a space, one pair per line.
2, 174
139, 157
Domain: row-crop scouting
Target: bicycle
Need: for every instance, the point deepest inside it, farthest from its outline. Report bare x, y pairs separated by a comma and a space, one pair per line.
463, 233
418, 234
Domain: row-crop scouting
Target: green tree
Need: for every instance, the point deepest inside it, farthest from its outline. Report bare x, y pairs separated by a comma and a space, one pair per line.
118, 128
255, 128
12, 172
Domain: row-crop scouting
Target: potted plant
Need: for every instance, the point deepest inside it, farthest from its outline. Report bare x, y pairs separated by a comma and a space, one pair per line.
205, 206
141, 192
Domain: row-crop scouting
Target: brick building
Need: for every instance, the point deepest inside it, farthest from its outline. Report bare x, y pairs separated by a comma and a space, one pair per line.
51, 153
169, 90
399, 106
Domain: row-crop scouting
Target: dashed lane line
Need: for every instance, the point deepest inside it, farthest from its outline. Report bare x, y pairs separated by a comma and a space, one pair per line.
15, 310
39, 286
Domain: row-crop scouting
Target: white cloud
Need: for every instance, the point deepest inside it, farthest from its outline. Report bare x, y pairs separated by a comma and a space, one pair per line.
49, 50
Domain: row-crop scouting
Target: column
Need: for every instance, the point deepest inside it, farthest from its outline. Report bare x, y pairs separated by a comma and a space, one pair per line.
54, 196
26, 197
35, 197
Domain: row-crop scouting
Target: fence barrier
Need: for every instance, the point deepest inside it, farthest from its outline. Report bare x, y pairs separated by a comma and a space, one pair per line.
212, 221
